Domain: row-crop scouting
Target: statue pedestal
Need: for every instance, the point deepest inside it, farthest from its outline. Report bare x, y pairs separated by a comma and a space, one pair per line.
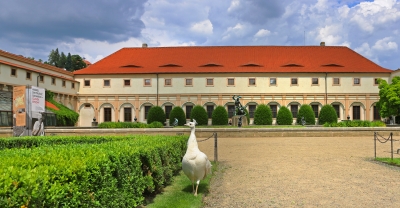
235, 121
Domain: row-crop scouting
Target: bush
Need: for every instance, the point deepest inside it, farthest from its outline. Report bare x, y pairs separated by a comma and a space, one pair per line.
220, 116
178, 113
284, 116
327, 115
356, 123
156, 113
307, 112
263, 115
65, 116
200, 115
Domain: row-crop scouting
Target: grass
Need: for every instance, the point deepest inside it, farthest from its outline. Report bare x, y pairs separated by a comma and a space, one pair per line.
394, 162
179, 193
250, 126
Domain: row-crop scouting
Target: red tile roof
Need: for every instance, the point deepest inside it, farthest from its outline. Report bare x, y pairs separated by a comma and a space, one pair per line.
233, 59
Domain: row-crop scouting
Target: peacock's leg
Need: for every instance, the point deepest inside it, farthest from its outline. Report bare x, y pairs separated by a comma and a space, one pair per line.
197, 186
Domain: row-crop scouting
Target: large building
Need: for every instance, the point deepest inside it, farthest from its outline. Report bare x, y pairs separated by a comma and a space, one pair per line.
16, 70
124, 85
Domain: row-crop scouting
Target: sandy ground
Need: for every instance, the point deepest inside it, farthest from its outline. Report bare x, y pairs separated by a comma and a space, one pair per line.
302, 172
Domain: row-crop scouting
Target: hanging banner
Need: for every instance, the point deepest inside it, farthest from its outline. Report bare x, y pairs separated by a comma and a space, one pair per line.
36, 103
19, 110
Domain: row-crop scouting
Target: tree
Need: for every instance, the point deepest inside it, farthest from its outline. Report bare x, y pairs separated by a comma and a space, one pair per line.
54, 58
68, 63
327, 115
199, 114
263, 115
220, 116
178, 113
156, 113
389, 97
307, 112
62, 60
284, 116
77, 62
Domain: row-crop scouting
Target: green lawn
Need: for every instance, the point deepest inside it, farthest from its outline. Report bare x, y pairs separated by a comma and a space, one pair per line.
395, 161
179, 193
250, 126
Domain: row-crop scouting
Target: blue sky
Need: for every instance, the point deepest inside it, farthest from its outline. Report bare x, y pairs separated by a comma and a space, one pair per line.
96, 28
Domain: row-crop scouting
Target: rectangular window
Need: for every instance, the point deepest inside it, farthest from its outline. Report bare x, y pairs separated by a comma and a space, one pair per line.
41, 78
28, 75
72, 85
128, 114
231, 111
356, 113
188, 111
357, 81
315, 109
146, 111
314, 81
167, 82
127, 82
336, 81
294, 109
106, 83
294, 81
147, 82
336, 107
210, 110
272, 81
376, 81
188, 82
63, 83
252, 81
87, 105
377, 116
231, 82
168, 109
87, 83
13, 72
210, 82
53, 81
107, 114
274, 110
252, 109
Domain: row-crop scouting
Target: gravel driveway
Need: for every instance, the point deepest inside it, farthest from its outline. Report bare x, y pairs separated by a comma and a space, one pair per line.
302, 172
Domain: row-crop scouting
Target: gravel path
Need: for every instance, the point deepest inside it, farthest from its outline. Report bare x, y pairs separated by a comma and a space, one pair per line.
302, 172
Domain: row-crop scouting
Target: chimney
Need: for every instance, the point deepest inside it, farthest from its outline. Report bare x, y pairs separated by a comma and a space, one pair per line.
322, 44
144, 45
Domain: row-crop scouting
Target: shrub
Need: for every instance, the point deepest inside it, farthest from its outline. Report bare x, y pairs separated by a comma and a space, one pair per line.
327, 115
155, 124
356, 124
156, 113
284, 116
219, 116
178, 113
65, 116
307, 112
263, 115
200, 115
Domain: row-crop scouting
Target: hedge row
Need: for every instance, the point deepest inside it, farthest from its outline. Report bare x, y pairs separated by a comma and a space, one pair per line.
356, 123
112, 174
106, 125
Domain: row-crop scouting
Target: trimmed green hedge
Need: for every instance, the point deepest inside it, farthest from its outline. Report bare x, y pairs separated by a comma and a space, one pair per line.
327, 115
307, 112
263, 115
356, 124
200, 114
178, 113
156, 113
284, 116
111, 174
118, 125
220, 116
65, 116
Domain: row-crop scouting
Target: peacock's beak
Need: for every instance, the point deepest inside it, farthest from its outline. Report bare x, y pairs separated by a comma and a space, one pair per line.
186, 124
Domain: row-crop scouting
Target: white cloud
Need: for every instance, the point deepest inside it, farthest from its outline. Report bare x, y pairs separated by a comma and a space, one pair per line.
203, 27
385, 44
262, 33
234, 4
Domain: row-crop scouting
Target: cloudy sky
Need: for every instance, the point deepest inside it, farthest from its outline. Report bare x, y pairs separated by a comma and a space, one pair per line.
96, 28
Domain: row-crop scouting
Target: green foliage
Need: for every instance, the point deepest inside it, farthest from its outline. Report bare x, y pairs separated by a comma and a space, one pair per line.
65, 116
389, 97
307, 112
178, 113
156, 113
327, 115
200, 115
71, 63
263, 115
110, 174
220, 116
356, 123
156, 124
284, 116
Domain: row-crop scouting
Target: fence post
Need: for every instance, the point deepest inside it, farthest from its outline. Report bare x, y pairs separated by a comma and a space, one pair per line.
375, 144
215, 147
391, 142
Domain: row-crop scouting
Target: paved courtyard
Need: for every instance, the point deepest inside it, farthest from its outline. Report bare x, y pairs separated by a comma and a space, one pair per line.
302, 172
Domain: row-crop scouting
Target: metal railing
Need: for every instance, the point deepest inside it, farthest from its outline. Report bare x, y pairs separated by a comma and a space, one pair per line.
215, 145
383, 140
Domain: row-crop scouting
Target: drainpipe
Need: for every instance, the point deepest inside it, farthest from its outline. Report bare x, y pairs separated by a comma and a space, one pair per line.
326, 89
157, 89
